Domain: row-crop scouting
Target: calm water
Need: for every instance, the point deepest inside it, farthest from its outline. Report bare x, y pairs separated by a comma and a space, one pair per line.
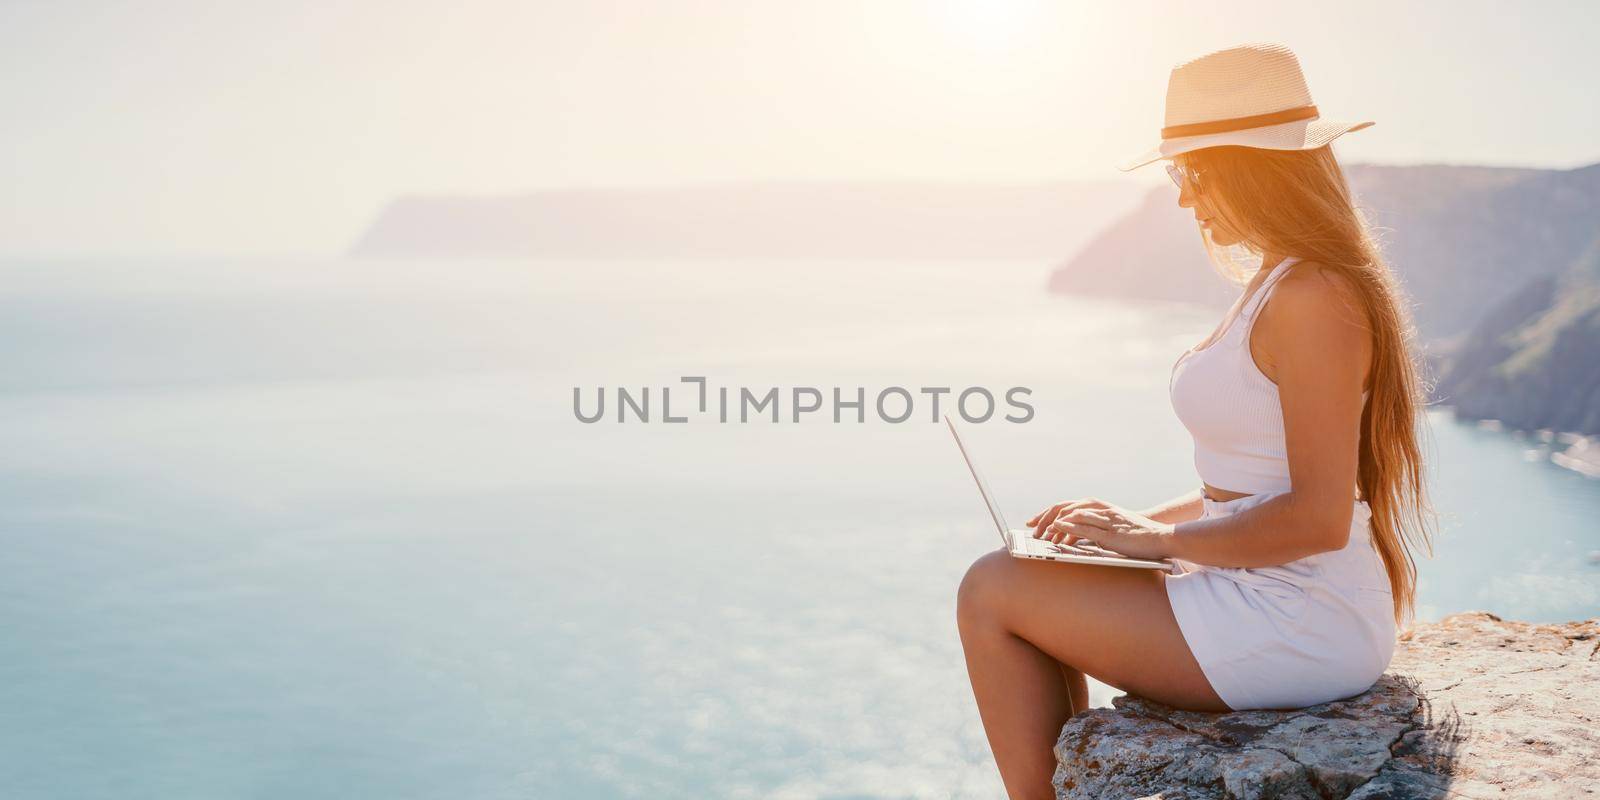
330, 529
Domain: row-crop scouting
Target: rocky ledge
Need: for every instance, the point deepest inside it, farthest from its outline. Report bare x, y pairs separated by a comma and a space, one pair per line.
1473, 706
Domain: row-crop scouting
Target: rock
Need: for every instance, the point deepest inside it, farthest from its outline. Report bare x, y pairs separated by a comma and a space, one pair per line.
1473, 706
1582, 456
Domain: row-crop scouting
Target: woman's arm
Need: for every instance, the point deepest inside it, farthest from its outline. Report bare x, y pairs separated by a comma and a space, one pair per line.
1317, 352
1182, 508
1277, 531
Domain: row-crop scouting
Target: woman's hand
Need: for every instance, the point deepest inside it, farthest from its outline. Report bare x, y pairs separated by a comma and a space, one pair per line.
1113, 528
1040, 522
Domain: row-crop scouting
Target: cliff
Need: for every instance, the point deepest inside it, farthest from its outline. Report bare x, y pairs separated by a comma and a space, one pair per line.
1460, 239
1534, 360
1473, 707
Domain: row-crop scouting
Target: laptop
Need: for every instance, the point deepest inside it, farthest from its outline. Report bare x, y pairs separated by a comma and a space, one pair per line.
1022, 544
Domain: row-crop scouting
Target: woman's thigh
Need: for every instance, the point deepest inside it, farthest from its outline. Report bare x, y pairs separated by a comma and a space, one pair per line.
1113, 623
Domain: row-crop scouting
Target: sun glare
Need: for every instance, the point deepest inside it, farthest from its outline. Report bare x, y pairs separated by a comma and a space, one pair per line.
988, 23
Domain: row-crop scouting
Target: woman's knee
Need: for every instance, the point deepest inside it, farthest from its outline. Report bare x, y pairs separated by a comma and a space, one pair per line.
981, 590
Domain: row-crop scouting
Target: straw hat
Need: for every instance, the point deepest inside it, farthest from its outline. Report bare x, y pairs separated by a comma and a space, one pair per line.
1253, 95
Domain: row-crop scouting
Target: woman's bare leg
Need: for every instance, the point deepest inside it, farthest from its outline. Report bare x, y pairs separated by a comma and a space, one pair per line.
1022, 621
1077, 686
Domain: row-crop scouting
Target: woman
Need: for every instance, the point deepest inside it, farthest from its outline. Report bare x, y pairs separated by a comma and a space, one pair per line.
1295, 554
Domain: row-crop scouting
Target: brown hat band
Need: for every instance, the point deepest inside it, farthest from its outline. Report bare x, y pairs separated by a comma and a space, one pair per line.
1240, 123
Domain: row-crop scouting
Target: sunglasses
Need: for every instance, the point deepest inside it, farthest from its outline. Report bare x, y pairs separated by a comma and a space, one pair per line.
1180, 174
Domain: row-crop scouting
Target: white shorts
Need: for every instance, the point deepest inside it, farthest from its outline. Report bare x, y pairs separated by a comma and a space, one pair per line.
1289, 636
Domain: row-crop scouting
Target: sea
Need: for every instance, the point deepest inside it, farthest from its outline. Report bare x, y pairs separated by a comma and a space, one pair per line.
335, 528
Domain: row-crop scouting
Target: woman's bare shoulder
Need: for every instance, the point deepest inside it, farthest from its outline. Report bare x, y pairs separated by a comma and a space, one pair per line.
1315, 311
1313, 291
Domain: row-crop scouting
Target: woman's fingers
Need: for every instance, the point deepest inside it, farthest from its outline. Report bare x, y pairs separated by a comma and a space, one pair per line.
1091, 517
1067, 527
1055, 513
1053, 533
1061, 530
1043, 521
1082, 523
1086, 504
1034, 520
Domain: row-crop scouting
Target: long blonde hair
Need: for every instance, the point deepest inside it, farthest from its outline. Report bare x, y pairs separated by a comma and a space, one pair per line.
1298, 202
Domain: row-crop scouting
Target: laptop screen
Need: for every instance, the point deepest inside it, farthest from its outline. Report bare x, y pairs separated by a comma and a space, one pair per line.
983, 488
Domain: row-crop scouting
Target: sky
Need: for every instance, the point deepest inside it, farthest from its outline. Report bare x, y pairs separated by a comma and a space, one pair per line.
193, 128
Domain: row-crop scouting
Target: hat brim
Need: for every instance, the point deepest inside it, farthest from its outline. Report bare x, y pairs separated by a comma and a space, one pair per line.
1300, 135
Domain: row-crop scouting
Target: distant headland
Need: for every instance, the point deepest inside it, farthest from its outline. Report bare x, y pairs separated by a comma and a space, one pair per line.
758, 220
1502, 264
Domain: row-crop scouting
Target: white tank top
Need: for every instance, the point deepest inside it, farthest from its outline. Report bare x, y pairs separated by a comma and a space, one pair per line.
1230, 408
